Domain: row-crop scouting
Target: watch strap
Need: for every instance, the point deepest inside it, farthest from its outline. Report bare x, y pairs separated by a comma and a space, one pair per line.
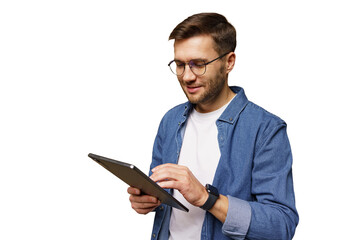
213, 196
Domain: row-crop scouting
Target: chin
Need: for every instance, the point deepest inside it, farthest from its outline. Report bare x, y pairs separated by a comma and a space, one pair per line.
195, 100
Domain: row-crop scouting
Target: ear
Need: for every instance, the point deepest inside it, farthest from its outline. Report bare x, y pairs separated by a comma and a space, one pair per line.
230, 62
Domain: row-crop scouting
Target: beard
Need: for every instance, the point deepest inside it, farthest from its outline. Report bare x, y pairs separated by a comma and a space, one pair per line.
213, 87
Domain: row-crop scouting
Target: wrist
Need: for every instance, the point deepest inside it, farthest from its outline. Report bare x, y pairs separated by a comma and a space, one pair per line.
203, 198
220, 208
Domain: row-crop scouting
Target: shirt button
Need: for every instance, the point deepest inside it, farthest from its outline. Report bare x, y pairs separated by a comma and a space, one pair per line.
154, 235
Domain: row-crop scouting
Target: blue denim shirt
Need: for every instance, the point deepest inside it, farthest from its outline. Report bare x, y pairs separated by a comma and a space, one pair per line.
254, 172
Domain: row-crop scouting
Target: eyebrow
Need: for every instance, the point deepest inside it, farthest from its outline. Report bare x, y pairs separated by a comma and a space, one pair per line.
195, 59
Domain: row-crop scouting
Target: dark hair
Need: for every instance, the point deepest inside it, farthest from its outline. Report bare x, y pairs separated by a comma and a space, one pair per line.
213, 24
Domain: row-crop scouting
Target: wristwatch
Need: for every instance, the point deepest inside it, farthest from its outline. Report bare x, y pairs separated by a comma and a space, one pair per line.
213, 196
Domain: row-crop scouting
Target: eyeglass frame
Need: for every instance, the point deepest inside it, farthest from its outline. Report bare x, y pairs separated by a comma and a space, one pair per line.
205, 64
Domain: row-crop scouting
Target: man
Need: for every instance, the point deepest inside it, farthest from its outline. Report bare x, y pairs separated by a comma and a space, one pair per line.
219, 139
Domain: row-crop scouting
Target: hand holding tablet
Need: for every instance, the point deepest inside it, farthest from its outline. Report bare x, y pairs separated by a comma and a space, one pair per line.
141, 203
138, 181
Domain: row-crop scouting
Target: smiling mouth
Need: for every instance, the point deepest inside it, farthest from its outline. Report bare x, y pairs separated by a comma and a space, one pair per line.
193, 89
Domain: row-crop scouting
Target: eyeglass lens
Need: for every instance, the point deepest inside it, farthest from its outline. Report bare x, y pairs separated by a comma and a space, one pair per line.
198, 67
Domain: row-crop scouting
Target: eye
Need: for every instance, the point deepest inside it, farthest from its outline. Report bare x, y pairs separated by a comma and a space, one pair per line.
179, 63
197, 63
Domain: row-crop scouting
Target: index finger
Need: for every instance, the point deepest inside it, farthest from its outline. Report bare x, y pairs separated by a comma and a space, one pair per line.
168, 172
166, 165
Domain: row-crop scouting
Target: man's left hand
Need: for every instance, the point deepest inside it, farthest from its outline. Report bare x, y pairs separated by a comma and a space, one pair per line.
181, 178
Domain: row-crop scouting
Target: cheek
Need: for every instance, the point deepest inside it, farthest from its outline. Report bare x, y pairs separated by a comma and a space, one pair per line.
213, 71
180, 80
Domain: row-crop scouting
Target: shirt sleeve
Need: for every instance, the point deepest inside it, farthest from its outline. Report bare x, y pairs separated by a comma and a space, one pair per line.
272, 213
238, 218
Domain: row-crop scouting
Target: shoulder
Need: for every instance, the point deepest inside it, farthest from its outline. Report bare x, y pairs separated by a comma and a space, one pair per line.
262, 123
255, 113
249, 112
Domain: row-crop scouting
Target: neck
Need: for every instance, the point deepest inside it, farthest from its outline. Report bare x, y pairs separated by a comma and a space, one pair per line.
223, 98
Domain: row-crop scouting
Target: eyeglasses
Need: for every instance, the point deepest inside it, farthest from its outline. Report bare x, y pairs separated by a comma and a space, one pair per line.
197, 66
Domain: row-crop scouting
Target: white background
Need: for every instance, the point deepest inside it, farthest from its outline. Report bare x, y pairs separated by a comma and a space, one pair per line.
92, 76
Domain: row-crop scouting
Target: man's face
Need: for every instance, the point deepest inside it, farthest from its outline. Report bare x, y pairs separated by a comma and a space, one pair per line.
204, 89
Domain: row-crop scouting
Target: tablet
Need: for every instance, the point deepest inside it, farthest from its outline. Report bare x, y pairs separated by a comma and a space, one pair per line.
136, 178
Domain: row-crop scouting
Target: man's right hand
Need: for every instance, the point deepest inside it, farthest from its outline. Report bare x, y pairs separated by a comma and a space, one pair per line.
142, 204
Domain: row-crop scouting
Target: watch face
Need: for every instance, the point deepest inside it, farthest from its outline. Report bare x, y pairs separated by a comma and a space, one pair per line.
212, 190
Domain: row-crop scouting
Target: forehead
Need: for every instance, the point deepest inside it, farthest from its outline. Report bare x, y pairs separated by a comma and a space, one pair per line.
194, 48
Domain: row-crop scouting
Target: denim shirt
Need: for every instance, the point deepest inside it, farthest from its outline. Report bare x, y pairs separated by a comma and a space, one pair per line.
254, 172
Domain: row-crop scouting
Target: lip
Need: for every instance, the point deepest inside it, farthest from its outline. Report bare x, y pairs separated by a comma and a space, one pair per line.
193, 89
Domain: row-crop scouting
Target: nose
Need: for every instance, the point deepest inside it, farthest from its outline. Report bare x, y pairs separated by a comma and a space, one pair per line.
188, 75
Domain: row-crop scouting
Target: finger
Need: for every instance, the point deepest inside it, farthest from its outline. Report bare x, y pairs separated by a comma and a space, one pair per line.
166, 165
144, 208
170, 173
144, 211
170, 184
133, 191
136, 205
143, 199
164, 175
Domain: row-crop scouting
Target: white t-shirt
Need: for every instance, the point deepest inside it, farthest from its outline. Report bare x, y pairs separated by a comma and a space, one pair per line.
200, 153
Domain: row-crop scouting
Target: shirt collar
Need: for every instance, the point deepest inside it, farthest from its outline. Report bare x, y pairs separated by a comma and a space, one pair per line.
232, 112
235, 107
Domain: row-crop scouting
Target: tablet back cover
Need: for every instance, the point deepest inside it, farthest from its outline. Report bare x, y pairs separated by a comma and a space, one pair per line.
134, 177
